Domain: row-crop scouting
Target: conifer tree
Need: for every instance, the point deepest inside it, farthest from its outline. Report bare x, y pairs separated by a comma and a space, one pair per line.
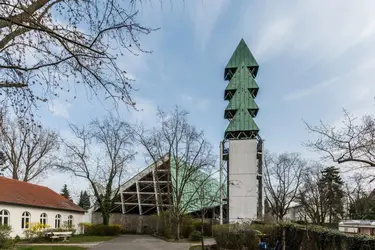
332, 186
86, 201
80, 202
65, 192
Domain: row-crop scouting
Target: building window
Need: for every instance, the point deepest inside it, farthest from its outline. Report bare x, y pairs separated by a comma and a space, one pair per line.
25, 222
70, 221
58, 221
4, 217
43, 219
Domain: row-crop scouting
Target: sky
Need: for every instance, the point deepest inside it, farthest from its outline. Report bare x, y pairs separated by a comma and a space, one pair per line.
315, 58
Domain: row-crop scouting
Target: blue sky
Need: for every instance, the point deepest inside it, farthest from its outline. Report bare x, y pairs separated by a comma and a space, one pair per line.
316, 58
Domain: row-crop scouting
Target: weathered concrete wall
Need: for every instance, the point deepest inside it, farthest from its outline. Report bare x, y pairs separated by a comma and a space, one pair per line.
243, 170
131, 223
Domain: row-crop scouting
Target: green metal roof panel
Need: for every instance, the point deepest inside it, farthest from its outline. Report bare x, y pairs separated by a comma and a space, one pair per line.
242, 121
242, 99
190, 198
242, 77
242, 54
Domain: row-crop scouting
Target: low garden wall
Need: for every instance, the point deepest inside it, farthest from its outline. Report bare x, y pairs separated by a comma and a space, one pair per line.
155, 224
131, 223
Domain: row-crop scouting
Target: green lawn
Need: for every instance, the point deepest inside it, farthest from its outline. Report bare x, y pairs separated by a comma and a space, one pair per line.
85, 238
50, 248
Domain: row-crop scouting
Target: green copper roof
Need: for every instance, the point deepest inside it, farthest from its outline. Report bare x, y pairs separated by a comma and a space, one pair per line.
240, 92
242, 77
199, 183
242, 99
242, 121
241, 55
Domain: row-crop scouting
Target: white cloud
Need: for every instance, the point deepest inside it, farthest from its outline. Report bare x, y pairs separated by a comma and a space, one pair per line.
58, 108
309, 91
320, 29
205, 15
186, 97
276, 30
145, 113
201, 104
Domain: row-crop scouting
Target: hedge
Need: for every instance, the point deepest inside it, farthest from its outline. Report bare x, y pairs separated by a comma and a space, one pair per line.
235, 236
296, 237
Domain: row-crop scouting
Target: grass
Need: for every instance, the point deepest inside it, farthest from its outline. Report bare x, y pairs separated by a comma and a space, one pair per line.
195, 248
86, 238
76, 239
200, 247
50, 248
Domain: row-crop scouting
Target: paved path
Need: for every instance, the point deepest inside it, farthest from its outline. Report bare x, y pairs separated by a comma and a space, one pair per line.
140, 242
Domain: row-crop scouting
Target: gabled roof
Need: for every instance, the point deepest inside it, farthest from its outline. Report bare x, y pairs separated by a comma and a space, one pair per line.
242, 78
27, 194
242, 54
242, 122
242, 99
145, 172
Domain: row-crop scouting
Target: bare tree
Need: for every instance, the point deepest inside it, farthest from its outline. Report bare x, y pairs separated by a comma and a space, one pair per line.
360, 198
190, 154
207, 198
49, 46
29, 150
283, 176
312, 195
353, 142
100, 154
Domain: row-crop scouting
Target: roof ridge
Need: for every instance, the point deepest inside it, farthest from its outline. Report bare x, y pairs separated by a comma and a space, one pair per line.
16, 190
24, 182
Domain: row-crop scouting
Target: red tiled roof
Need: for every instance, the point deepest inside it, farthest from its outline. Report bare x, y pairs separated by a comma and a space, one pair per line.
27, 194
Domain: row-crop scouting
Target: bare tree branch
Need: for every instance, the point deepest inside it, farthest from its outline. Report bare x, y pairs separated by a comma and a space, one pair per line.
353, 142
283, 177
46, 46
30, 150
312, 196
100, 154
191, 157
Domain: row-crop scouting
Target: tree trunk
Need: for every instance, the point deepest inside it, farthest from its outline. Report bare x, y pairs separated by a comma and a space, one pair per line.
178, 229
283, 241
330, 213
105, 216
202, 229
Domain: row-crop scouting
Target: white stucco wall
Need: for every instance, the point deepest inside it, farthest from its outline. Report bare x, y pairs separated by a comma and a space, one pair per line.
295, 213
243, 170
16, 212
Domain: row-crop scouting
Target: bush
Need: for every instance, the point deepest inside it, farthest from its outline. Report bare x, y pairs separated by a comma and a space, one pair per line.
195, 236
163, 227
5, 241
17, 238
102, 230
196, 225
187, 230
36, 232
296, 237
235, 236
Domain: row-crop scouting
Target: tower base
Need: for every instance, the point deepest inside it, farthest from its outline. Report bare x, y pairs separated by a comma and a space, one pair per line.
243, 183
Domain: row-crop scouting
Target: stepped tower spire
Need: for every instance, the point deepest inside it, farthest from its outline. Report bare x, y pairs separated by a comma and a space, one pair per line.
241, 91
